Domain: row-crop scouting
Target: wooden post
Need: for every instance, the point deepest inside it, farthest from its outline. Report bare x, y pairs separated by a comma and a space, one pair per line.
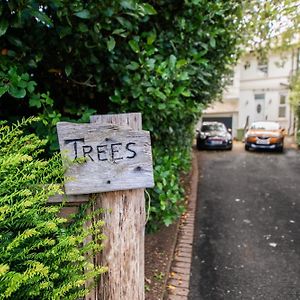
111, 158
124, 227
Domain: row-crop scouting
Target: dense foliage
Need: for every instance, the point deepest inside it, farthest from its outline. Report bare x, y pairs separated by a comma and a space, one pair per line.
271, 23
294, 98
41, 256
65, 60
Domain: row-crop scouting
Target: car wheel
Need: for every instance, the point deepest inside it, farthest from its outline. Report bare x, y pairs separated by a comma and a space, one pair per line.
247, 147
198, 144
280, 150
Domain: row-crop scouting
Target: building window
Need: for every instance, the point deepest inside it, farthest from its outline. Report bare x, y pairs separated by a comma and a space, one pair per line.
262, 65
282, 107
282, 99
258, 108
259, 96
247, 65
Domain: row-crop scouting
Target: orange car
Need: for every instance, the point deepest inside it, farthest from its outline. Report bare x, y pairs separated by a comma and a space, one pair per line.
265, 135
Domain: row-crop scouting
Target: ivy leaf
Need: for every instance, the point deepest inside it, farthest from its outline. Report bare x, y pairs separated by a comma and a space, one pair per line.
22, 84
212, 42
25, 76
151, 38
82, 27
42, 17
3, 90
125, 23
148, 9
134, 46
111, 43
35, 101
68, 70
83, 14
180, 63
3, 26
183, 76
30, 86
172, 61
186, 93
121, 32
133, 66
17, 93
150, 63
160, 95
162, 106
128, 4
168, 221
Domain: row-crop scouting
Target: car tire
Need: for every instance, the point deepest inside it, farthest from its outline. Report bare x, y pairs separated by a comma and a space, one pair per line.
280, 150
198, 145
247, 148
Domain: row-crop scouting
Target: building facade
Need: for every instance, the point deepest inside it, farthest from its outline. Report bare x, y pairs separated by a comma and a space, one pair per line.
259, 91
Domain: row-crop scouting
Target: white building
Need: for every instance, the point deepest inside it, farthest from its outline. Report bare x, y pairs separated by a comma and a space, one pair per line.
259, 91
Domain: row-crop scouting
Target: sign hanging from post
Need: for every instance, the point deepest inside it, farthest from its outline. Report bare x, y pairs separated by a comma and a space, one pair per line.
102, 158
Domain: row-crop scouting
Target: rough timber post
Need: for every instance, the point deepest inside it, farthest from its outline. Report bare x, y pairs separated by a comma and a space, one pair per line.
124, 227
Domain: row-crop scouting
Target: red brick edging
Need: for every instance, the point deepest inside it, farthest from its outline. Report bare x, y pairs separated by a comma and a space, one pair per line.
179, 276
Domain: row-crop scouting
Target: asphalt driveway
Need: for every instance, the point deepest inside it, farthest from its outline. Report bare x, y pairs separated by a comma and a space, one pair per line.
247, 234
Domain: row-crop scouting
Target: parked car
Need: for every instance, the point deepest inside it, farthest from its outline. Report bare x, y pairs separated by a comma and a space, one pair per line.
265, 135
213, 135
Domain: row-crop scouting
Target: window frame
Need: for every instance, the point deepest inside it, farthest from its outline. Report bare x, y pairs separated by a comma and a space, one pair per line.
263, 65
282, 107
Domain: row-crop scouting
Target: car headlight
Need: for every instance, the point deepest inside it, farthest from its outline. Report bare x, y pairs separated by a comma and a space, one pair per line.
247, 135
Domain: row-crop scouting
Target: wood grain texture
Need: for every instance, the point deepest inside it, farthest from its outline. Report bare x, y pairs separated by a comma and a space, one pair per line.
116, 157
123, 251
132, 121
124, 219
80, 199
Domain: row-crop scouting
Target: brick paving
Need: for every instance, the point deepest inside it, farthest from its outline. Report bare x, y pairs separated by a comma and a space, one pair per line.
179, 276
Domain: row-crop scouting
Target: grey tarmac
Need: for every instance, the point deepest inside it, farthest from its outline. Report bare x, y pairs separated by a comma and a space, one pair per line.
247, 230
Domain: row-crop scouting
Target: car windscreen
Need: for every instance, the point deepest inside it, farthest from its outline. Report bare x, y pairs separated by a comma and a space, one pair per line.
213, 127
265, 126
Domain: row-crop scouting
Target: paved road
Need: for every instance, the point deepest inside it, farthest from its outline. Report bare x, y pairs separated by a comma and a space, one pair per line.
247, 234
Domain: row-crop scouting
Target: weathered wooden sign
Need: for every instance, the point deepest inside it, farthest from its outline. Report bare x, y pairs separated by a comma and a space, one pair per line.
102, 158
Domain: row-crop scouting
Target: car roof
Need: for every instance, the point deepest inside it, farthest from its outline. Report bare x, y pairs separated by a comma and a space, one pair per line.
211, 122
265, 122
265, 125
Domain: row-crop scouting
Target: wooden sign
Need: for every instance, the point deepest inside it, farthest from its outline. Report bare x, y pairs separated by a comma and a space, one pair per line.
102, 158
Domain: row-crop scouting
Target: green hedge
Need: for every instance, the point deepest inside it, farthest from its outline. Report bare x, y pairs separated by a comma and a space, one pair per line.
66, 60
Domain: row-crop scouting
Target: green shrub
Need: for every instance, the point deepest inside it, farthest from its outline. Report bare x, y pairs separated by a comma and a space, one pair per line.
167, 59
41, 255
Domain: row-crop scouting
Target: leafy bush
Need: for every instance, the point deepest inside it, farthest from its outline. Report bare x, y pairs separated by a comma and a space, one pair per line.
294, 99
41, 256
65, 60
